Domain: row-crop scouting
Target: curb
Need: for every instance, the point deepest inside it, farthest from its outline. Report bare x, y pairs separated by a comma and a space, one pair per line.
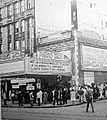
51, 106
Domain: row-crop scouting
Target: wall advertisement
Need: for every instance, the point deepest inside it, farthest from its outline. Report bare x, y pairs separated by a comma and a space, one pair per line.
88, 78
94, 58
50, 63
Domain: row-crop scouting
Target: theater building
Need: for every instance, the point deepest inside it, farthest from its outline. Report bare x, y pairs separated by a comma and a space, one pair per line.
34, 57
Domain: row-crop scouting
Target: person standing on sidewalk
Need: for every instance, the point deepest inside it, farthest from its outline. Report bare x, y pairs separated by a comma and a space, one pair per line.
12, 97
39, 97
73, 96
31, 98
89, 98
20, 98
5, 98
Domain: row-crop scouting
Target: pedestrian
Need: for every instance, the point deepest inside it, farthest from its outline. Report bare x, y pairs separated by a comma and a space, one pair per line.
65, 95
10, 94
20, 98
31, 98
5, 98
89, 98
81, 94
12, 97
39, 97
45, 97
54, 94
73, 95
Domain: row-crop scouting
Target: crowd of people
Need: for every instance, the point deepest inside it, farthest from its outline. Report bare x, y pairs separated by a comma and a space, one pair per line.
57, 96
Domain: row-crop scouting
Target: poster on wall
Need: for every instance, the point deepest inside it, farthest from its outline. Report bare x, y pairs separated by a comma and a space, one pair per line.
94, 58
88, 78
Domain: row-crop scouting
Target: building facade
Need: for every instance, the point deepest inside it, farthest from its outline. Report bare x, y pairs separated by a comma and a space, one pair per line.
17, 39
17, 25
31, 61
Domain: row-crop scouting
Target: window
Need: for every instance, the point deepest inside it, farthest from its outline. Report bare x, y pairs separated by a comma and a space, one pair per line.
9, 37
0, 15
9, 10
16, 8
22, 26
23, 45
17, 27
10, 46
29, 24
17, 45
9, 33
29, 4
22, 6
0, 32
0, 41
1, 48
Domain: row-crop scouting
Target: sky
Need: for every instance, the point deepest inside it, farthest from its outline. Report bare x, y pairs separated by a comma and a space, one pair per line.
55, 15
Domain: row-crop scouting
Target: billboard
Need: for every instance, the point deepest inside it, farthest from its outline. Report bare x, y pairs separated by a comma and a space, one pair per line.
94, 58
60, 15
52, 16
50, 63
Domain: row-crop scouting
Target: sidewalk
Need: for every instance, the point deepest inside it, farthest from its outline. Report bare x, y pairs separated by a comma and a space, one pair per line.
69, 103
48, 105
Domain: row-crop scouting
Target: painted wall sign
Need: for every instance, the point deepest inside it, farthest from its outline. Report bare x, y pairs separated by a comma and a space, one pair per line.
94, 58
55, 37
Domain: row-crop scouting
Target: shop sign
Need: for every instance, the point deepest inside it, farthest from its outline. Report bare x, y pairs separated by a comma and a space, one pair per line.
22, 81
15, 86
14, 81
94, 58
30, 80
30, 87
22, 84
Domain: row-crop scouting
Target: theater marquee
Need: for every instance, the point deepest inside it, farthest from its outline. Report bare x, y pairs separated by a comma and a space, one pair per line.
50, 63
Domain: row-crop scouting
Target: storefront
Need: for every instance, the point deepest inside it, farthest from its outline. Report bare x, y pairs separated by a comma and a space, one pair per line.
45, 70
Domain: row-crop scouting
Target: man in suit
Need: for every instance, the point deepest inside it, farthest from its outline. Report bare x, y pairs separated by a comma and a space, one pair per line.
89, 98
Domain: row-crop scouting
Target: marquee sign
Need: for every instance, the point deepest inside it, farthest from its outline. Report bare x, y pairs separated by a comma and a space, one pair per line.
50, 63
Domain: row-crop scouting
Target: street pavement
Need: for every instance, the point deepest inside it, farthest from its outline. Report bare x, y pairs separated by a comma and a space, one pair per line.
58, 113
